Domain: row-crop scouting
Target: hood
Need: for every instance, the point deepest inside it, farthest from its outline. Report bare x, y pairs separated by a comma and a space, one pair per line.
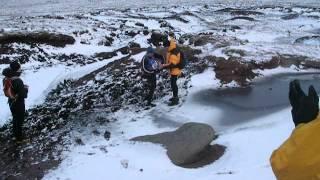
173, 45
7, 72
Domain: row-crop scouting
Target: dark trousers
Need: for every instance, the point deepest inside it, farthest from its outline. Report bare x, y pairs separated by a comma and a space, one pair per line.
18, 114
151, 86
174, 86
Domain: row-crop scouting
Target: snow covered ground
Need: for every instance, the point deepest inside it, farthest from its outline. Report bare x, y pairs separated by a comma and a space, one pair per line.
42, 81
249, 146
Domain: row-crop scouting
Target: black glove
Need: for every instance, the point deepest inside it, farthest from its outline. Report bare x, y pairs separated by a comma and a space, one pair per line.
304, 108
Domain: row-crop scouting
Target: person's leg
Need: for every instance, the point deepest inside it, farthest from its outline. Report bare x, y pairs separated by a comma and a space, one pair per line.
175, 99
15, 120
152, 83
174, 86
18, 114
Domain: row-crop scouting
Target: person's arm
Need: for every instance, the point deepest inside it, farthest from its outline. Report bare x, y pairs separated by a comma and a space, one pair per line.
159, 57
173, 62
298, 157
305, 107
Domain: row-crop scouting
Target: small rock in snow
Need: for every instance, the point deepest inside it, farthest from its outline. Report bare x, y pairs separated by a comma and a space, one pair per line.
125, 163
107, 135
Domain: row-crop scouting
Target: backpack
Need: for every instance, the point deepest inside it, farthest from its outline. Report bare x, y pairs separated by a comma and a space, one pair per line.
150, 66
183, 61
8, 88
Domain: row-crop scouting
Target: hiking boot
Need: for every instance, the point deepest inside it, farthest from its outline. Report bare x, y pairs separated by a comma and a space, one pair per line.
174, 101
171, 99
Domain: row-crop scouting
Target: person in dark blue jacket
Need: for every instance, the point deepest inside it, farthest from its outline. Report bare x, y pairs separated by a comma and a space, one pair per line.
151, 64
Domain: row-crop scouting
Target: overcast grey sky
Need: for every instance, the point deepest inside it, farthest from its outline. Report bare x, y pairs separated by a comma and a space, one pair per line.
34, 7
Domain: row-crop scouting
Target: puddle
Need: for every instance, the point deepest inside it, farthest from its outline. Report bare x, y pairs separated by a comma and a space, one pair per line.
262, 98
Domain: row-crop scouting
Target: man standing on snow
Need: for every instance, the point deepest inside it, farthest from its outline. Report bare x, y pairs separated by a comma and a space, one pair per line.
150, 64
173, 60
16, 92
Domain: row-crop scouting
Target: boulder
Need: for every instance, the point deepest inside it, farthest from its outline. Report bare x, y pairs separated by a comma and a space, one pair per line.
187, 144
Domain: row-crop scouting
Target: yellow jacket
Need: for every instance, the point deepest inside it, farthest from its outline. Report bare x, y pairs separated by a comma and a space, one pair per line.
298, 158
173, 58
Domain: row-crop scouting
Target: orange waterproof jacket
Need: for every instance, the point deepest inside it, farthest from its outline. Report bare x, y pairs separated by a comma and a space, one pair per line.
298, 158
173, 58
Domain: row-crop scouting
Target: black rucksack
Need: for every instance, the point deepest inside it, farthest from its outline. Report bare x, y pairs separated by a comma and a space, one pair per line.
183, 61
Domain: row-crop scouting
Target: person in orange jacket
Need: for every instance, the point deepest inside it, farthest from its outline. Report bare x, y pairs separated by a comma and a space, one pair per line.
298, 158
172, 61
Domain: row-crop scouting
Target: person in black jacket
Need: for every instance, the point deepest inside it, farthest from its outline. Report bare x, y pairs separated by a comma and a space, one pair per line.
16, 104
151, 65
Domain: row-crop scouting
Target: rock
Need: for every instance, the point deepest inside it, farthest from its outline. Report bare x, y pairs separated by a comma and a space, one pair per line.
131, 33
124, 163
124, 50
314, 16
139, 24
105, 55
234, 27
57, 40
53, 17
235, 52
134, 45
233, 70
79, 141
96, 132
313, 40
145, 32
203, 39
107, 135
164, 24
246, 12
242, 18
191, 53
290, 16
107, 42
241, 12
273, 63
186, 144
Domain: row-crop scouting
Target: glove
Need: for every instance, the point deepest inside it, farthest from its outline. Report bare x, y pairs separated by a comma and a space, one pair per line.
304, 108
